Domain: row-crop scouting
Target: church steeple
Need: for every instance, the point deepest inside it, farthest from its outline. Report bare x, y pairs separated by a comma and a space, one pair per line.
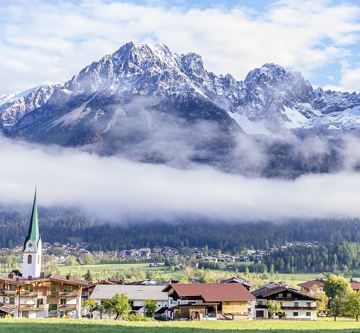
32, 246
33, 232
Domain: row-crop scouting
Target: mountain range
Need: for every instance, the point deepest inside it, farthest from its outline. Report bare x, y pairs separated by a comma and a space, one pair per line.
150, 104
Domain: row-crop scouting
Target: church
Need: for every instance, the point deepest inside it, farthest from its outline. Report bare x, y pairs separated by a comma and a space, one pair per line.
31, 293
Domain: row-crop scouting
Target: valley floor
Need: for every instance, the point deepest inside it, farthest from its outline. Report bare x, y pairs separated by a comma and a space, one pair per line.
102, 326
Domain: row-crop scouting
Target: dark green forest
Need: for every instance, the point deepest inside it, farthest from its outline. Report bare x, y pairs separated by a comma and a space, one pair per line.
64, 226
328, 257
335, 244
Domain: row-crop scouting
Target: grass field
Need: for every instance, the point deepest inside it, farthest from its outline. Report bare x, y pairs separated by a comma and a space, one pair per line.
82, 269
101, 326
139, 271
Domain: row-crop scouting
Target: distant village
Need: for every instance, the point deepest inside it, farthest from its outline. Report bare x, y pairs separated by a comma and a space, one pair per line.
62, 252
29, 292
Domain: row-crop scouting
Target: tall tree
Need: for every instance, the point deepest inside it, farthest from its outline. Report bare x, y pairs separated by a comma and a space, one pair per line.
88, 276
352, 304
118, 305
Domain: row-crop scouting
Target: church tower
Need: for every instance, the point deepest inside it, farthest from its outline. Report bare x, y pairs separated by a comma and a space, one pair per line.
32, 246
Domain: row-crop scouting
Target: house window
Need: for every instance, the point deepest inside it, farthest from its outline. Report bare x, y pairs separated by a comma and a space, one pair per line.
29, 259
289, 295
308, 314
281, 295
296, 304
12, 287
68, 288
12, 300
260, 302
308, 304
296, 314
63, 301
39, 301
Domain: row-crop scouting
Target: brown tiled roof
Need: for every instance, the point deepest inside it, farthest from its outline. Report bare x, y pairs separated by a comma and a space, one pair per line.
355, 285
269, 290
68, 280
312, 283
53, 277
213, 292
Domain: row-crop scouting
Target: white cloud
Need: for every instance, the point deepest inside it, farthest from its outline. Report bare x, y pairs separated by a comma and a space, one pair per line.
48, 42
113, 187
350, 78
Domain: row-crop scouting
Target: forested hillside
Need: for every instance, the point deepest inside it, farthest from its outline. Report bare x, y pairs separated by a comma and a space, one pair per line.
64, 226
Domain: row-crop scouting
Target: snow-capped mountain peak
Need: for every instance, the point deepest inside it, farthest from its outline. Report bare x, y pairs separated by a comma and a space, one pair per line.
269, 97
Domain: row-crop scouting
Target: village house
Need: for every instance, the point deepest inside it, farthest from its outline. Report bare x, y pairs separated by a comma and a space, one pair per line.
31, 293
209, 301
137, 295
87, 290
312, 287
235, 279
293, 303
355, 285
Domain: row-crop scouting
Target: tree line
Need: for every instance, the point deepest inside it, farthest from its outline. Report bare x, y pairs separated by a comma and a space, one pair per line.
71, 227
328, 257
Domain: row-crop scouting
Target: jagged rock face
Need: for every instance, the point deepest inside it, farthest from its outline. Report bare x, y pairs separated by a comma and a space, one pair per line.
142, 95
14, 108
271, 88
269, 96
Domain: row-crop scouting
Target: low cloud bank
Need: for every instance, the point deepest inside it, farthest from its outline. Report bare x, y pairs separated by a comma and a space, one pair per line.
111, 187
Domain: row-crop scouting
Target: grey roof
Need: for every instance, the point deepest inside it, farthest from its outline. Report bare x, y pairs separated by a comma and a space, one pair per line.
133, 292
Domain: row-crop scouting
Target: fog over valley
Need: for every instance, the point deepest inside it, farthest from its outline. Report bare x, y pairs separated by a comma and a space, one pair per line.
119, 189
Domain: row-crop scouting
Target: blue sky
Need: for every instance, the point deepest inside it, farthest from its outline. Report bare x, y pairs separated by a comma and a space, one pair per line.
42, 41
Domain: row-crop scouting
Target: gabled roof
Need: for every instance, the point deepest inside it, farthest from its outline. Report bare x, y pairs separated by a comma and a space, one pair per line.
264, 289
272, 289
133, 292
213, 292
20, 281
355, 285
67, 280
148, 282
33, 232
236, 279
312, 283
109, 281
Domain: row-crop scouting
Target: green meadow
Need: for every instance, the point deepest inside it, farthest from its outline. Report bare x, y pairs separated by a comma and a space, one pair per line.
139, 271
102, 326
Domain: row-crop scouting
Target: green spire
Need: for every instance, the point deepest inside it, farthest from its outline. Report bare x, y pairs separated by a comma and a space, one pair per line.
33, 233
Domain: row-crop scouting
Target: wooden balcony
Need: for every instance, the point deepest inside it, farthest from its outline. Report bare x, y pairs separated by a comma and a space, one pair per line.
31, 307
68, 294
28, 293
66, 307
310, 308
7, 292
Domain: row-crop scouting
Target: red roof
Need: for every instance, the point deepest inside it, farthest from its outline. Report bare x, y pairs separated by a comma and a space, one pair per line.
213, 292
355, 285
312, 284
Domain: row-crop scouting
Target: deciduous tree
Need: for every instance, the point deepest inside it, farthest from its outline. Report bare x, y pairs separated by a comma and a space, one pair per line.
118, 305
